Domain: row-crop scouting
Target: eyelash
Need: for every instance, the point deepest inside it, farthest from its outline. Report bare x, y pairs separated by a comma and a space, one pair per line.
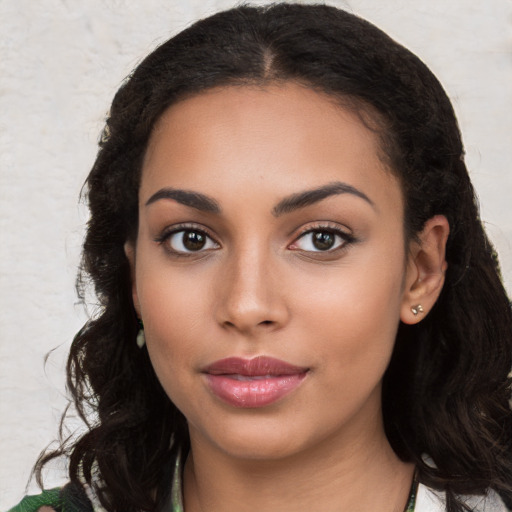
166, 235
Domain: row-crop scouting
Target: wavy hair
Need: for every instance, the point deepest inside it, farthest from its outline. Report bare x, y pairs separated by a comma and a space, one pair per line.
446, 392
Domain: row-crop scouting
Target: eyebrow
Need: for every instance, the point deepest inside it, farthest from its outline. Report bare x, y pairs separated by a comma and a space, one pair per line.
309, 197
195, 200
289, 204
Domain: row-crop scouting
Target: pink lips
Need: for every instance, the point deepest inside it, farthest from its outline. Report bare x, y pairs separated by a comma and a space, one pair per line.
251, 383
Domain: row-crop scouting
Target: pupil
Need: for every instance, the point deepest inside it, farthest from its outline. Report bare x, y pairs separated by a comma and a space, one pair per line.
323, 240
193, 240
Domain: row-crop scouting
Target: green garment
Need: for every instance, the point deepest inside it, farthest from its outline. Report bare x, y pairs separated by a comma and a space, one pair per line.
50, 498
70, 498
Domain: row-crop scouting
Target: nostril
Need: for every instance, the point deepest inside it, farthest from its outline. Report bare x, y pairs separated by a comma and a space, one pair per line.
266, 322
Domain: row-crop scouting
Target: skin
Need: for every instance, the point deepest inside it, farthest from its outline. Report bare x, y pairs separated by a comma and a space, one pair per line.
260, 287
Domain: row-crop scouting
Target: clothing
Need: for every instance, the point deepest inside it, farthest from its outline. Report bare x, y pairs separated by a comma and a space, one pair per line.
72, 498
429, 500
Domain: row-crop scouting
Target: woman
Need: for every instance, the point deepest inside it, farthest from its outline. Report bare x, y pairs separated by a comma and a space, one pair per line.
300, 308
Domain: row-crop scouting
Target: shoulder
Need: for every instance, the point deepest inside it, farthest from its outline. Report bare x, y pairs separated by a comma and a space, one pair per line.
429, 500
48, 499
70, 498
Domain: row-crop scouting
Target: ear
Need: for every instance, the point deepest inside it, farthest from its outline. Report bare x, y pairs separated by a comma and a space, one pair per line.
129, 250
426, 268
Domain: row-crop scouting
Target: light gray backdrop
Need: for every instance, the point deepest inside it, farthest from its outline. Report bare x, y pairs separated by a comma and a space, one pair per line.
60, 64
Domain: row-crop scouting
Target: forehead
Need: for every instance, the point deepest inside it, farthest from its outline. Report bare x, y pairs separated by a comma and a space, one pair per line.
232, 138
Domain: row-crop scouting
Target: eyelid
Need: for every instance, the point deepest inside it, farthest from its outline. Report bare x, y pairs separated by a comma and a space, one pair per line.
323, 225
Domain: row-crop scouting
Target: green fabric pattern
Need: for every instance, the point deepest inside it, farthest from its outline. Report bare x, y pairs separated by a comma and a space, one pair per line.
50, 498
70, 498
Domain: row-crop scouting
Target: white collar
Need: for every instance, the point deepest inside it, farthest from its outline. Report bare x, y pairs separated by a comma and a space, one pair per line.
429, 500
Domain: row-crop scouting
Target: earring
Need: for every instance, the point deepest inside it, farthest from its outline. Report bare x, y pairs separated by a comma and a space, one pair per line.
417, 309
141, 337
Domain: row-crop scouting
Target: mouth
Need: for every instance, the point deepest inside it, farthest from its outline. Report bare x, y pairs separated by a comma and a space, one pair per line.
252, 383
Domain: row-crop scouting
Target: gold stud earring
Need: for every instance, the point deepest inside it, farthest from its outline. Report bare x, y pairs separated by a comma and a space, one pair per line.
417, 309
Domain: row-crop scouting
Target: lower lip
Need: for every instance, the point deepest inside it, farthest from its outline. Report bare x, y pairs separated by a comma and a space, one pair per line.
253, 393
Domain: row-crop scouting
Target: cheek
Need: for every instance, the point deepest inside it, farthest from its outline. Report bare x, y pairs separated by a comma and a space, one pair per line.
363, 289
173, 308
172, 314
353, 317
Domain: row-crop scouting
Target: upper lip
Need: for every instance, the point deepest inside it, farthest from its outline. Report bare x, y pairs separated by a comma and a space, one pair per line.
258, 366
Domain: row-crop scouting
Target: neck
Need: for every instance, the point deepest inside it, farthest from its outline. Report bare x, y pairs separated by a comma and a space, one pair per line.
334, 476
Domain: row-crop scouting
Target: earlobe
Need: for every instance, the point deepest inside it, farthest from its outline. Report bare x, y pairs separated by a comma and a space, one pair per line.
129, 250
426, 270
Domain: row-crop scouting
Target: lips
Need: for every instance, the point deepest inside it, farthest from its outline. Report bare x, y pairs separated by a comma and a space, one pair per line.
252, 383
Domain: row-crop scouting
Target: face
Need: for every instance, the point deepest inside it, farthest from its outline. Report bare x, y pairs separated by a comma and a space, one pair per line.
269, 269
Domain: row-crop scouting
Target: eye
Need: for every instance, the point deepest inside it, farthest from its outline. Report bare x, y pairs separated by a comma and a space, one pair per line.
321, 240
187, 241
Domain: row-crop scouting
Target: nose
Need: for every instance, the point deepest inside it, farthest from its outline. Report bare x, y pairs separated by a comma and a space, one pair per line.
251, 296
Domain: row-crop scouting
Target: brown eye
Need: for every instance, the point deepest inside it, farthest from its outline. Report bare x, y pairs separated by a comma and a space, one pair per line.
323, 240
193, 240
190, 240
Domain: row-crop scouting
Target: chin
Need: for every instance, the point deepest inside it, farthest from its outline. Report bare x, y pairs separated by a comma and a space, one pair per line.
270, 450
254, 438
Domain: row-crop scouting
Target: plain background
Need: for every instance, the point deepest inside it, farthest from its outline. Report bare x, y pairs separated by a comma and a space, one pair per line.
60, 65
